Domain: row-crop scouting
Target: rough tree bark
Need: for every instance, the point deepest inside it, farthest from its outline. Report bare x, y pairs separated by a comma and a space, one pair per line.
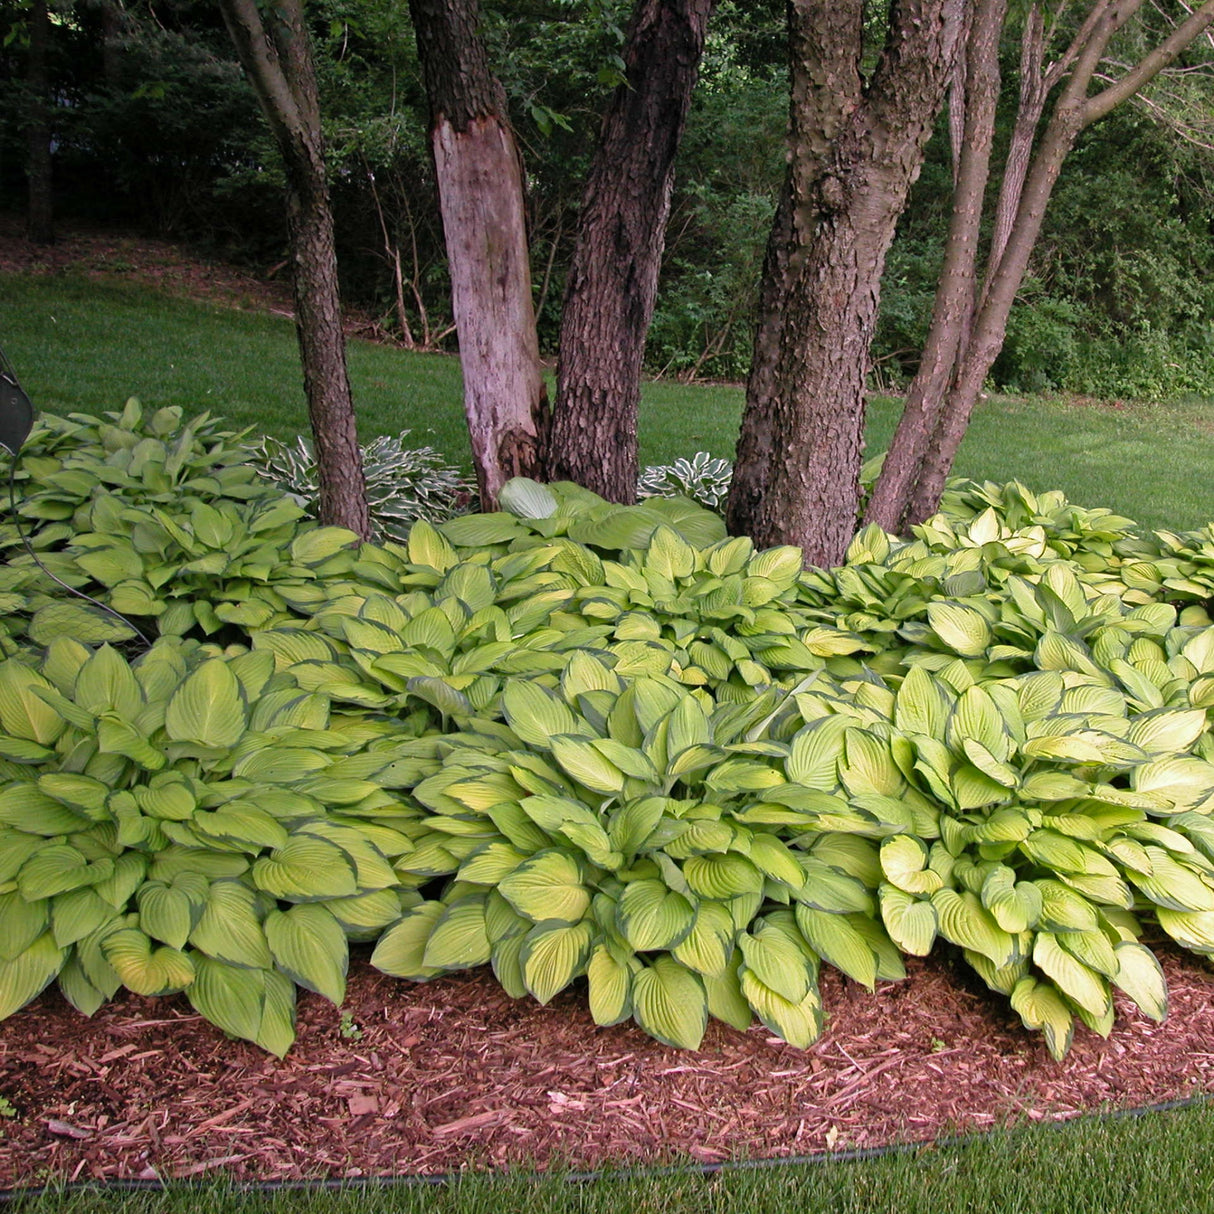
40, 214
613, 279
856, 146
942, 397
278, 61
480, 186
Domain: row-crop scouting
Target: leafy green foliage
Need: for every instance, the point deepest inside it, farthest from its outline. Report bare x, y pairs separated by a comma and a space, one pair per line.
589, 743
701, 478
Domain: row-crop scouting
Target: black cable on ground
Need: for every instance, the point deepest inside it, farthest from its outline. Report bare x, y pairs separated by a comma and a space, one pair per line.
357, 1184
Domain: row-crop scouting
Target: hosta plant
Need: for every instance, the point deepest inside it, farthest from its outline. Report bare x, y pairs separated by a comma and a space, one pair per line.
191, 822
701, 478
404, 483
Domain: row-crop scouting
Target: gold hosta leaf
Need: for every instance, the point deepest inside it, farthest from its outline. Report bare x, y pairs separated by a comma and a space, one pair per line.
491, 863
837, 941
1087, 988
1002, 979
207, 708
57, 868
722, 876
229, 928
799, 1022
255, 1004
552, 955
651, 916
1167, 731
587, 764
1169, 884
1016, 906
774, 859
21, 923
669, 1003
548, 885
911, 922
1042, 1007
709, 945
144, 969
1093, 949
632, 824
30, 809
610, 983
963, 629
458, 939
536, 714
1139, 975
778, 961
306, 869
167, 913
965, 921
309, 946
815, 752
904, 863
401, 948
23, 714
830, 889
26, 975
364, 915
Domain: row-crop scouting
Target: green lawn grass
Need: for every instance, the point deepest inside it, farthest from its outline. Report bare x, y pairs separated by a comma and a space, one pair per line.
1152, 1163
78, 345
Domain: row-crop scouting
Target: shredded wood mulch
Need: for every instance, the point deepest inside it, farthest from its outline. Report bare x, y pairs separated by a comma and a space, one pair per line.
455, 1074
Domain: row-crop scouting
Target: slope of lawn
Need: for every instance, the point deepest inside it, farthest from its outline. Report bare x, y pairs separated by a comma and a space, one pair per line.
79, 345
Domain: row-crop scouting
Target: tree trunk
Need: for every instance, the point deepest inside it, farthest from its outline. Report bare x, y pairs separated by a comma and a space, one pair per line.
278, 61
1009, 257
953, 310
613, 279
856, 148
480, 185
40, 216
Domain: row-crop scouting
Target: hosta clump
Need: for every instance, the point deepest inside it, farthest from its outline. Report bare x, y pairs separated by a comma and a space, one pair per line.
688, 859
404, 483
701, 478
191, 822
138, 458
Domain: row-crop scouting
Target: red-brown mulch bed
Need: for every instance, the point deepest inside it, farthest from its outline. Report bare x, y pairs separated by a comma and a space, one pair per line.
455, 1074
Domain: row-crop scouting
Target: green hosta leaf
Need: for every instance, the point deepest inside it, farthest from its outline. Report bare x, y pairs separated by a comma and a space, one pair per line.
963, 629
535, 714
118, 737
21, 923
553, 954
965, 921
78, 990
401, 948
105, 683
911, 923
309, 946
23, 714
242, 825
904, 863
57, 868
207, 708
549, 885
829, 889
1042, 1007
144, 969
610, 983
1088, 989
837, 941
363, 916
1141, 978
650, 916
799, 1022
26, 975
257, 1005
306, 869
669, 1003
525, 498
458, 939
229, 928
28, 808
319, 544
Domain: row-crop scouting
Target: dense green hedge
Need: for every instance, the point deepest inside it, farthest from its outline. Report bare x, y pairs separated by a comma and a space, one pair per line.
572, 740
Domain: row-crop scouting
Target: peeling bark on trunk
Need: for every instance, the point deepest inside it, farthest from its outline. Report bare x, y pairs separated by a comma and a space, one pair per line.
856, 148
613, 279
480, 185
278, 61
